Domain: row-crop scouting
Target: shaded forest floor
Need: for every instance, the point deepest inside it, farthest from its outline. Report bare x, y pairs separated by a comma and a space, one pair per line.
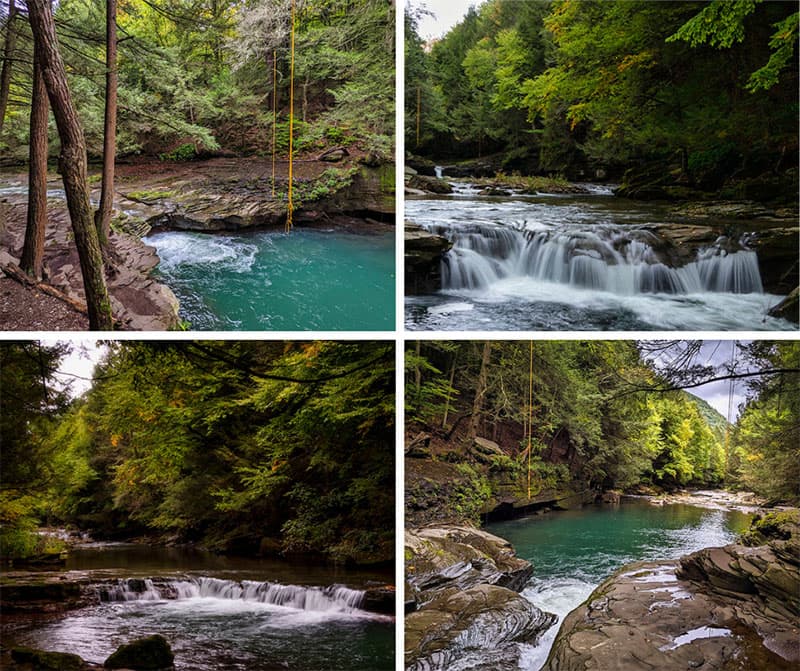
211, 195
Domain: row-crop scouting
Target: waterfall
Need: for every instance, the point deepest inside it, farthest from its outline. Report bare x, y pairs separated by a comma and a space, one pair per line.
439, 171
608, 258
334, 598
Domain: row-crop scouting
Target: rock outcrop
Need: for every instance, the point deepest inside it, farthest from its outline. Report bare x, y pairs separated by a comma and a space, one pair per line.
483, 622
423, 260
735, 607
462, 587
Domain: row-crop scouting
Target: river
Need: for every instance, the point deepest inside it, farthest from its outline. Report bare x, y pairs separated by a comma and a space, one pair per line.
271, 281
572, 552
581, 262
219, 612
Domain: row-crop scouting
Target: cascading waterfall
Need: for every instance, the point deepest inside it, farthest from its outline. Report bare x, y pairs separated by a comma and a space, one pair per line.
439, 171
334, 598
608, 258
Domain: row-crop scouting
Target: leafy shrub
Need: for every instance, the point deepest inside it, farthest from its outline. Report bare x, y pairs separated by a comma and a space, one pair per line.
184, 152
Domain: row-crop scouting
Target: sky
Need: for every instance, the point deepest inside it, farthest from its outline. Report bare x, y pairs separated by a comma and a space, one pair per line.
446, 14
717, 353
76, 369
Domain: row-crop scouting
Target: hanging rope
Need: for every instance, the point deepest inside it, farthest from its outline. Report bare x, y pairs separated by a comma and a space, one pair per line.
290, 207
730, 407
530, 416
274, 112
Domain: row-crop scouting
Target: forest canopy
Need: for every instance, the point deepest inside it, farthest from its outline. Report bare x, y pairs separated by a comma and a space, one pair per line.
603, 415
573, 85
197, 76
251, 447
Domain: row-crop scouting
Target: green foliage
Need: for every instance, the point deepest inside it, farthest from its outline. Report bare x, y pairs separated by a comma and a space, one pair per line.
184, 152
470, 495
766, 442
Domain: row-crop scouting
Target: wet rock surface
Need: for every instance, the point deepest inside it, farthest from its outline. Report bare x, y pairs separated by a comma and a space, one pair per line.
462, 585
462, 557
485, 621
423, 256
720, 608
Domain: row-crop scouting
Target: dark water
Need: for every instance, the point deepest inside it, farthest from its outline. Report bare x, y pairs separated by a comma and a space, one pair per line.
581, 262
222, 613
270, 281
572, 552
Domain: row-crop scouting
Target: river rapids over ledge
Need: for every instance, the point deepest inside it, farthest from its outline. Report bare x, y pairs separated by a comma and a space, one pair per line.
585, 262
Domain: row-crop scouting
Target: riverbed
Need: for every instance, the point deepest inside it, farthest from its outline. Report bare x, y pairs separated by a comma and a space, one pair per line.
572, 552
218, 612
582, 262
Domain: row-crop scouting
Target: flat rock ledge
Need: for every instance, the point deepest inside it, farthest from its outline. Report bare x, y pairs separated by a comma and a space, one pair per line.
725, 608
462, 585
423, 260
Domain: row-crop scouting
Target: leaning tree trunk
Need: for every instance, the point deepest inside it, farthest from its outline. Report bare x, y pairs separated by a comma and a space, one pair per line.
8, 53
33, 249
103, 214
72, 164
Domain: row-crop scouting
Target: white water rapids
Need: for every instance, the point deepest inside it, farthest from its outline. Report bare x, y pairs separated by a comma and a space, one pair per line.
581, 263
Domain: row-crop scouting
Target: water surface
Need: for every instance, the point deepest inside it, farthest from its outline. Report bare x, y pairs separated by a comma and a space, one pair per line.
220, 613
572, 552
582, 262
271, 281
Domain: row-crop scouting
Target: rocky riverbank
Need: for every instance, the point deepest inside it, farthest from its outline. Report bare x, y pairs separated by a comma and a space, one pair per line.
215, 195
734, 607
462, 600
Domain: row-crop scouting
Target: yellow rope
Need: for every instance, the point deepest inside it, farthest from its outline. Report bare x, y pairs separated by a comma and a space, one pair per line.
530, 416
290, 207
274, 112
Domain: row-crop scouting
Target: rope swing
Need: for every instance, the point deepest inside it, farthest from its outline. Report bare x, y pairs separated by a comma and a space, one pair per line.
274, 112
530, 416
290, 207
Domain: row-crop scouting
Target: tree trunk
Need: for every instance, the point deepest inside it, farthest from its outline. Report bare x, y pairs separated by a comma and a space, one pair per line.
8, 53
480, 392
72, 164
449, 390
103, 215
33, 249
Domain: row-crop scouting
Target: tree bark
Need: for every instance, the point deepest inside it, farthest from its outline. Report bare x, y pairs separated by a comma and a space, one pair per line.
103, 214
8, 52
480, 392
33, 250
72, 164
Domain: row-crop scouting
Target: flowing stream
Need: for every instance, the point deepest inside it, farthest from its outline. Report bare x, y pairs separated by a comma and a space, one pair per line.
270, 281
220, 613
572, 552
580, 262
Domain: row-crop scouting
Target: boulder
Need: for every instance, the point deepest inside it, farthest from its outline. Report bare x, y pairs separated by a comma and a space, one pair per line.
422, 260
151, 653
788, 308
460, 556
47, 661
429, 184
485, 621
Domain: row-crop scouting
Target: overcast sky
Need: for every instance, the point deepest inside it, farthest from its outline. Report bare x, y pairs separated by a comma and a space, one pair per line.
446, 14
76, 369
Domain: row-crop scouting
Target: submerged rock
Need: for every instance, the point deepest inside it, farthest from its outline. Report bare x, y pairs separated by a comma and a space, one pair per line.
485, 620
151, 653
735, 607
